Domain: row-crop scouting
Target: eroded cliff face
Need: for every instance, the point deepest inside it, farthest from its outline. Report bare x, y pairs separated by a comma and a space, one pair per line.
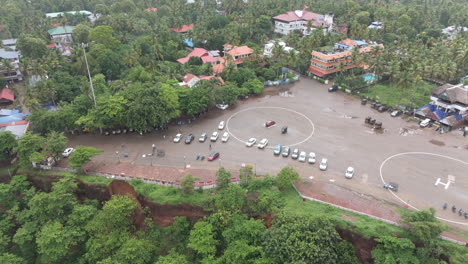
163, 214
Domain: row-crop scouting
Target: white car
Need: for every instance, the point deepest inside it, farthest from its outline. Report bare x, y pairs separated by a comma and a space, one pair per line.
202, 138
323, 164
311, 159
225, 137
214, 136
251, 142
177, 138
425, 122
221, 125
67, 152
222, 106
262, 143
302, 156
349, 173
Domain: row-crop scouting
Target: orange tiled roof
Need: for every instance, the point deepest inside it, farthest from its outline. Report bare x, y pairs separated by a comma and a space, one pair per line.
183, 29
242, 50
348, 42
218, 68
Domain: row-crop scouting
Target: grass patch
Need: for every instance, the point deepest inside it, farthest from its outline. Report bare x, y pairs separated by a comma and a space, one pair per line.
96, 180
366, 226
391, 95
169, 194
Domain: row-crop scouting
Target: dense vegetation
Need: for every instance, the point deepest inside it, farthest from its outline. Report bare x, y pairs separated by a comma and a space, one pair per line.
132, 53
54, 226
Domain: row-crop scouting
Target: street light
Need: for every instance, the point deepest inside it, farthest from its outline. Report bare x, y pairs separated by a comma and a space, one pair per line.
89, 74
118, 157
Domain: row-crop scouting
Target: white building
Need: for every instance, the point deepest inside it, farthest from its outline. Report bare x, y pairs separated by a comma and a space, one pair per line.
452, 31
451, 97
270, 46
9, 53
376, 25
303, 21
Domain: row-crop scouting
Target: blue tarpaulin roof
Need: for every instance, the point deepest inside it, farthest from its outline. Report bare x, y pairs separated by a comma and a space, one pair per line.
189, 42
360, 42
12, 118
440, 114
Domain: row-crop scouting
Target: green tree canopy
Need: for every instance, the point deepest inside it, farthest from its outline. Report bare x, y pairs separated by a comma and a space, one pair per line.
7, 144
82, 155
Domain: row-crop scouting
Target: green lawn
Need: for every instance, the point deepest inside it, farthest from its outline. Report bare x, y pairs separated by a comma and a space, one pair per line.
391, 95
169, 194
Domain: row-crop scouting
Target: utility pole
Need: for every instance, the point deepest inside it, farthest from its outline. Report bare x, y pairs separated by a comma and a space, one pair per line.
83, 46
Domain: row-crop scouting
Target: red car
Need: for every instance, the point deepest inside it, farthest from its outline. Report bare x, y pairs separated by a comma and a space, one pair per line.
270, 123
213, 156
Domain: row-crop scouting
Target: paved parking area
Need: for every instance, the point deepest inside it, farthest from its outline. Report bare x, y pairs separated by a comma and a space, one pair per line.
329, 124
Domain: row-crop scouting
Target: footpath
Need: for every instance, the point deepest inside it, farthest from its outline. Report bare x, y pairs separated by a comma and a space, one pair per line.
322, 192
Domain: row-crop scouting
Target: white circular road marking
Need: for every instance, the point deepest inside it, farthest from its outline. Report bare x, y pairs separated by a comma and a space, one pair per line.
422, 153
271, 107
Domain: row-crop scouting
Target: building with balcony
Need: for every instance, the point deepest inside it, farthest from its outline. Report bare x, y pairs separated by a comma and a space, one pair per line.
303, 21
238, 54
328, 61
9, 65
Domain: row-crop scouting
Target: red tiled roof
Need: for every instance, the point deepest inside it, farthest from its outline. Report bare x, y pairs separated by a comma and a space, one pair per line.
53, 45
348, 42
14, 123
196, 52
221, 81
242, 50
209, 58
7, 94
183, 29
298, 15
188, 77
151, 9
218, 68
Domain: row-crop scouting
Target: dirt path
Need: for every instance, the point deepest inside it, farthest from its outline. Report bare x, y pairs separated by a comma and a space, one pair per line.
20, 90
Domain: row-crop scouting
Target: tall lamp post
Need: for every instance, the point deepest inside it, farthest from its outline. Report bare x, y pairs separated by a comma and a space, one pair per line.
84, 46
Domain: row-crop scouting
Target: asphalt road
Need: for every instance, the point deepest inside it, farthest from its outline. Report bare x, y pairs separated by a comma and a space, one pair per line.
329, 124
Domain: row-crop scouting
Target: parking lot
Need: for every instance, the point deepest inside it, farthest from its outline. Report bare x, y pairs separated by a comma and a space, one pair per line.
329, 124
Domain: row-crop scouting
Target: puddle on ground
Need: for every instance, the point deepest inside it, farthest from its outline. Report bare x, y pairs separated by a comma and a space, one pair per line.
404, 131
437, 142
277, 90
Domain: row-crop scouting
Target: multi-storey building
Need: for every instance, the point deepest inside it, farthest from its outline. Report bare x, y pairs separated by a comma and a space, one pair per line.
325, 62
10, 71
303, 21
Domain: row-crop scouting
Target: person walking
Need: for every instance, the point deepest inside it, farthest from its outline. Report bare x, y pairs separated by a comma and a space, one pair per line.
210, 146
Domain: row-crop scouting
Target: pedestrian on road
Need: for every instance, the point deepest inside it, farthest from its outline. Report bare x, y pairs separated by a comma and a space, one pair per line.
210, 146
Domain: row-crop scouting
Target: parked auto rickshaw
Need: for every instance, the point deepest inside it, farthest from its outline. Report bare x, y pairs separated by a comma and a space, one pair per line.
367, 120
364, 101
378, 125
372, 121
284, 130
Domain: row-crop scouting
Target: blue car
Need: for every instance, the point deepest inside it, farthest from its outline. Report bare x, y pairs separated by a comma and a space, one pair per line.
277, 149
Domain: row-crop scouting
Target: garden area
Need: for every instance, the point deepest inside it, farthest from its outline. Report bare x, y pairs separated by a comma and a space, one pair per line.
414, 97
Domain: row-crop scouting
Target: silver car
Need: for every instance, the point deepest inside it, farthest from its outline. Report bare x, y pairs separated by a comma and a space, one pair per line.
295, 154
302, 156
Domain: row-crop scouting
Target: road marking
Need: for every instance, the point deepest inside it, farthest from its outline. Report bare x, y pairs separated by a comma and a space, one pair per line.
271, 107
422, 153
450, 179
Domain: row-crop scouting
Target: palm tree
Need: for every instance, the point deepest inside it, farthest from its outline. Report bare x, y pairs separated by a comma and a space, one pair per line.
7, 66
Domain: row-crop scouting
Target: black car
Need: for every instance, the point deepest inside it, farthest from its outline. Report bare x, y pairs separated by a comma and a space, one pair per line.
382, 108
189, 138
333, 88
